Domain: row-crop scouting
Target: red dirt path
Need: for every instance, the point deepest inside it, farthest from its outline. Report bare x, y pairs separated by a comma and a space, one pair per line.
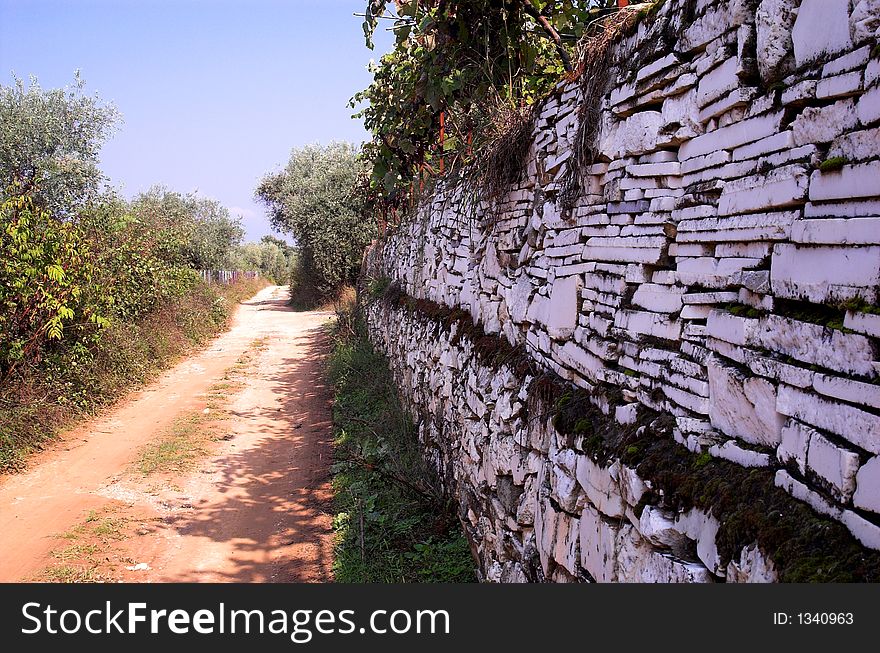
255, 508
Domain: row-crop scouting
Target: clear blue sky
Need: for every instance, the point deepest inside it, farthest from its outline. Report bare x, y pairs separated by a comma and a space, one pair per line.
213, 93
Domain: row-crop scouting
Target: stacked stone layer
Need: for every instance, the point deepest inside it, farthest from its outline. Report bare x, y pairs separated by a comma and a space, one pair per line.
721, 265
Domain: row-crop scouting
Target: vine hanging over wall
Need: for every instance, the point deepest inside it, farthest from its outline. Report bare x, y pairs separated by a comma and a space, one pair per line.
460, 84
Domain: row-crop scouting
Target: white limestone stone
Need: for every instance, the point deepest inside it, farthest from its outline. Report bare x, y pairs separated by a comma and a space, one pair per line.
852, 424
545, 533
866, 323
731, 451
626, 414
743, 407
657, 298
717, 82
561, 315
518, 299
703, 528
795, 444
600, 486
695, 312
820, 29
756, 281
711, 272
801, 492
843, 85
707, 28
864, 531
855, 392
774, 143
691, 249
856, 146
752, 567
868, 106
638, 562
566, 550
774, 225
732, 136
665, 169
634, 135
730, 328
865, 20
774, 20
824, 273
647, 323
824, 124
656, 66
837, 231
659, 527
850, 61
749, 250
872, 71
813, 344
867, 494
844, 208
681, 117
579, 359
777, 188
711, 160
598, 550
799, 93
632, 487
837, 465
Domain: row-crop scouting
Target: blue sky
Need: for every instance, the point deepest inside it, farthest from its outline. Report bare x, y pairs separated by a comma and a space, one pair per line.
213, 93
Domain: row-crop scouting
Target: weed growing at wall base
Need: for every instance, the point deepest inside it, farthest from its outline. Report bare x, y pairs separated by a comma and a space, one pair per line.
392, 522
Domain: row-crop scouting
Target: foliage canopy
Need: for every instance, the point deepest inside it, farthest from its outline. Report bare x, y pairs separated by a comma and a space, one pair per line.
314, 200
476, 66
50, 141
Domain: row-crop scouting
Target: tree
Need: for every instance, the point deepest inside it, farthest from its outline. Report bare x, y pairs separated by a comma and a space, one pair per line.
314, 200
197, 232
49, 144
267, 258
48, 282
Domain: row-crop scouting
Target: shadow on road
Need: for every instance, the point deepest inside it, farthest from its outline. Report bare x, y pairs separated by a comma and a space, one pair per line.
275, 495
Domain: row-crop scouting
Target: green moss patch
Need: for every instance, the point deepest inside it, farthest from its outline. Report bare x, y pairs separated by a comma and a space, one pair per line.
833, 164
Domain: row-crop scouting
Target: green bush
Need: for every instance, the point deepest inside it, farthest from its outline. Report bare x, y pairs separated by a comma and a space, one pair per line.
314, 200
49, 287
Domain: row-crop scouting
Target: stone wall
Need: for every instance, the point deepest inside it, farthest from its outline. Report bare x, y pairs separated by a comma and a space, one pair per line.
720, 267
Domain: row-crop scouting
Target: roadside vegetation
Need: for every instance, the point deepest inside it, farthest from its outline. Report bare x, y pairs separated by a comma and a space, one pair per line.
460, 85
97, 294
392, 522
316, 201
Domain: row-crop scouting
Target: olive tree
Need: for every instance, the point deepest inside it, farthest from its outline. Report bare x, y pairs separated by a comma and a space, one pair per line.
198, 232
314, 200
50, 141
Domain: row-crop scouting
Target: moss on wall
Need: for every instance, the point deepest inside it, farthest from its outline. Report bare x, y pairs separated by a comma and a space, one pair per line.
804, 546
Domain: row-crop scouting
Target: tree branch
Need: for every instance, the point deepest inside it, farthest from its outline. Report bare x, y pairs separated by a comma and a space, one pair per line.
551, 32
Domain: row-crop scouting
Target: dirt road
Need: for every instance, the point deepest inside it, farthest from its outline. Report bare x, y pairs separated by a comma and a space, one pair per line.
216, 472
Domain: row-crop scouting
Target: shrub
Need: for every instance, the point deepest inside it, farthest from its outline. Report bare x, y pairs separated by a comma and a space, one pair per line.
313, 199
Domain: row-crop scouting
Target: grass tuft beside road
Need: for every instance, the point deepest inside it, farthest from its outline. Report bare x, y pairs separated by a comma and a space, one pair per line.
392, 522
